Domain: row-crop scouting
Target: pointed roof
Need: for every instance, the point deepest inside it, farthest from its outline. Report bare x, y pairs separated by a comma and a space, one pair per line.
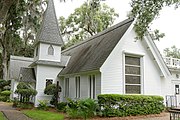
89, 55
49, 31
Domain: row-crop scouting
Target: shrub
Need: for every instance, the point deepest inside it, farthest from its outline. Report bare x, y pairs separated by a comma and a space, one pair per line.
5, 95
53, 90
43, 105
62, 106
125, 105
82, 108
27, 105
25, 92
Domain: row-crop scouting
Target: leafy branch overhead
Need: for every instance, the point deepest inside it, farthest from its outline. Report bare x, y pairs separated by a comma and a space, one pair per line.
87, 20
146, 11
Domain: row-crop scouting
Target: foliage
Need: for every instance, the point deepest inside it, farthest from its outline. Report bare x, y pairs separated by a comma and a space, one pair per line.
146, 11
50, 89
87, 20
82, 108
18, 29
127, 105
53, 89
62, 106
173, 52
43, 115
26, 105
4, 84
25, 92
43, 105
5, 95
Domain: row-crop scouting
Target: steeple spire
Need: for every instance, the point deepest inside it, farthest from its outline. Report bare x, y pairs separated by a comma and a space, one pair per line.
49, 31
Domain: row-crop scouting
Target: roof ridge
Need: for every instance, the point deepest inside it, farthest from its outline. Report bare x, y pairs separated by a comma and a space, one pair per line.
100, 33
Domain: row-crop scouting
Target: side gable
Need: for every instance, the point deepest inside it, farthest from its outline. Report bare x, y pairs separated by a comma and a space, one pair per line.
90, 54
15, 65
157, 56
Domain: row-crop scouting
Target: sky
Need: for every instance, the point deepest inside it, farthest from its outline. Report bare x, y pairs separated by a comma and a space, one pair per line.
168, 22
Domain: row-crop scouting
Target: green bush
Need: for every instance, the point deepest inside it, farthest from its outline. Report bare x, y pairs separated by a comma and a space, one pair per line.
126, 105
5, 95
82, 108
62, 106
3, 98
27, 105
43, 105
25, 92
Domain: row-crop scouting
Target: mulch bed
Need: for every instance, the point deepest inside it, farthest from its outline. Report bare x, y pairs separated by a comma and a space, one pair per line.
162, 116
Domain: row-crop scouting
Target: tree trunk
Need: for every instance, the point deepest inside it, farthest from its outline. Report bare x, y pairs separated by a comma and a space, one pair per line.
4, 64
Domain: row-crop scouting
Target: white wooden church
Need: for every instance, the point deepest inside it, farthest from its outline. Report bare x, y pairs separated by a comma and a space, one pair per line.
110, 62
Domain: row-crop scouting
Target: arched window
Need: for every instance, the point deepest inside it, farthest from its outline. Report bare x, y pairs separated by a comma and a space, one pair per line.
50, 50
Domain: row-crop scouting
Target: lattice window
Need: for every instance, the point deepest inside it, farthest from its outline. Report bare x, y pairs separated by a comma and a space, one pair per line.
49, 82
132, 75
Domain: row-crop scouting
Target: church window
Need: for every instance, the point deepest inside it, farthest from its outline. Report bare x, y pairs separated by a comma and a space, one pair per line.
37, 51
66, 86
49, 82
50, 50
92, 86
77, 82
133, 75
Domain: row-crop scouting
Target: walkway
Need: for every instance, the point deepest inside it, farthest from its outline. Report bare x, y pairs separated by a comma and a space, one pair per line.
10, 113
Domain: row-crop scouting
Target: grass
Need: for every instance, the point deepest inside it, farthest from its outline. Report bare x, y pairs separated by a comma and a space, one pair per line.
43, 115
2, 116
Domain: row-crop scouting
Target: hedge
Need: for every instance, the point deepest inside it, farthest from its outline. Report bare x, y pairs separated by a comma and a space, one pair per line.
126, 105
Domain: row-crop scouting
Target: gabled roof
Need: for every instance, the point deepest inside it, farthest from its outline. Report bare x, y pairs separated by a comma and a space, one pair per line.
91, 54
27, 75
15, 65
49, 31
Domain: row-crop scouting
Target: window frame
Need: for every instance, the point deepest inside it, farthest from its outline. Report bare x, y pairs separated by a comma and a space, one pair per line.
50, 50
66, 87
92, 86
141, 57
49, 79
77, 86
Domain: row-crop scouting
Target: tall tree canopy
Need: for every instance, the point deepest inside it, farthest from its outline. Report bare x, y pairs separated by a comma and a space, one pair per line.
87, 20
18, 29
146, 11
173, 52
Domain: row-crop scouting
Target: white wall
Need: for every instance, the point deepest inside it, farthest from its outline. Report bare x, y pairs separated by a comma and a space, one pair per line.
43, 53
43, 73
112, 71
84, 85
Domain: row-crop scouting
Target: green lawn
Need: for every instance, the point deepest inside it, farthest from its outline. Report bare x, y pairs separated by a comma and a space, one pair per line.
43, 115
2, 116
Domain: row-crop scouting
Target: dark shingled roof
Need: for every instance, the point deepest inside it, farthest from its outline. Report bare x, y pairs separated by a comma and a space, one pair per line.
49, 31
91, 54
27, 75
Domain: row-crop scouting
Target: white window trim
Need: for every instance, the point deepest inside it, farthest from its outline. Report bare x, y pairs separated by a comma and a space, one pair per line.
49, 79
92, 96
142, 63
65, 87
52, 51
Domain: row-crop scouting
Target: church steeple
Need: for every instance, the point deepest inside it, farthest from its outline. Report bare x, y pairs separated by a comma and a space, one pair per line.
49, 32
